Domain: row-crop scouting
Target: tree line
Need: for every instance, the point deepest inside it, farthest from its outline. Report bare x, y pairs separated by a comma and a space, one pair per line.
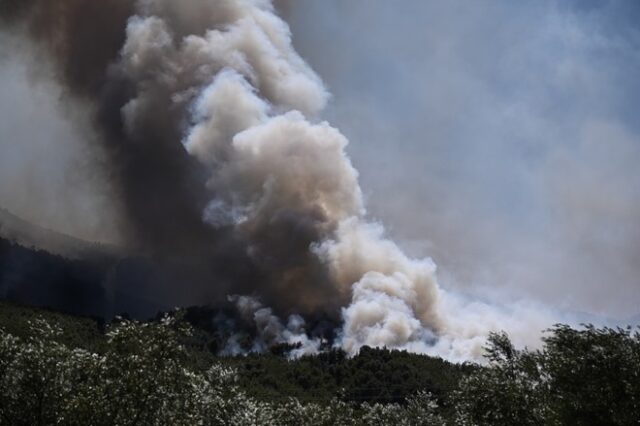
156, 373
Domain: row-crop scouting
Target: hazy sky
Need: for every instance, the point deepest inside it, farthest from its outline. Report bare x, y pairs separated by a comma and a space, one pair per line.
501, 138
50, 164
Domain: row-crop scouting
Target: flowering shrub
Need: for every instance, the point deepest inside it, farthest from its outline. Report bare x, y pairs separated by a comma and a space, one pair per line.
142, 379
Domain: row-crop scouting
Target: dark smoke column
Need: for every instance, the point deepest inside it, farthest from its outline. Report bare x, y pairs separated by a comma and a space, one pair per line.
210, 119
160, 188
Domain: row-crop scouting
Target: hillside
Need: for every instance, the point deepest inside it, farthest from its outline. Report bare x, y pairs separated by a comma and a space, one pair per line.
377, 375
56, 368
99, 285
29, 235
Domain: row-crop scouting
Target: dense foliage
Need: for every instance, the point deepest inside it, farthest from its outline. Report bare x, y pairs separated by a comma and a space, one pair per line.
56, 369
375, 375
142, 378
580, 377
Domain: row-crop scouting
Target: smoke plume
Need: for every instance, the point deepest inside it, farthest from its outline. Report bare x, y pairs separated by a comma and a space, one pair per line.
210, 122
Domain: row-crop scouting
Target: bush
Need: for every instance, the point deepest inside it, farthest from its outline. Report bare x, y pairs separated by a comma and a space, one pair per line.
580, 377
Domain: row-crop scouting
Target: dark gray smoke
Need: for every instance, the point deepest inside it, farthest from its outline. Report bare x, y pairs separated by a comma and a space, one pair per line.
157, 182
162, 189
226, 178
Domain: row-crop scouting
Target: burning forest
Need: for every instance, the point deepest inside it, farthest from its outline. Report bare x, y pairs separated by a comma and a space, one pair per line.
182, 157
224, 173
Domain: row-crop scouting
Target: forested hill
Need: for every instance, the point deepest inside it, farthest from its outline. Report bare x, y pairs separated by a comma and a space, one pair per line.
61, 369
375, 375
98, 283
29, 235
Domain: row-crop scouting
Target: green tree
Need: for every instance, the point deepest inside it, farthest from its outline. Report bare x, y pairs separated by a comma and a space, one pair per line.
584, 377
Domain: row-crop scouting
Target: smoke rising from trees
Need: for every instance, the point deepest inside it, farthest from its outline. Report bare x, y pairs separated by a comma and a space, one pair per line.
208, 123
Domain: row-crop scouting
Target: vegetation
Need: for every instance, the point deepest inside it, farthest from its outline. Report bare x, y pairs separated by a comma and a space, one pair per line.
74, 331
374, 375
56, 369
580, 377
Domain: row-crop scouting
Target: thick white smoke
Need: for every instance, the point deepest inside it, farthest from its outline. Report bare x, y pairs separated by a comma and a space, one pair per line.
252, 105
271, 330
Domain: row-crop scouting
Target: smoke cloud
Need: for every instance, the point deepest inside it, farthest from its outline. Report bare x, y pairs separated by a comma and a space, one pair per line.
210, 125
